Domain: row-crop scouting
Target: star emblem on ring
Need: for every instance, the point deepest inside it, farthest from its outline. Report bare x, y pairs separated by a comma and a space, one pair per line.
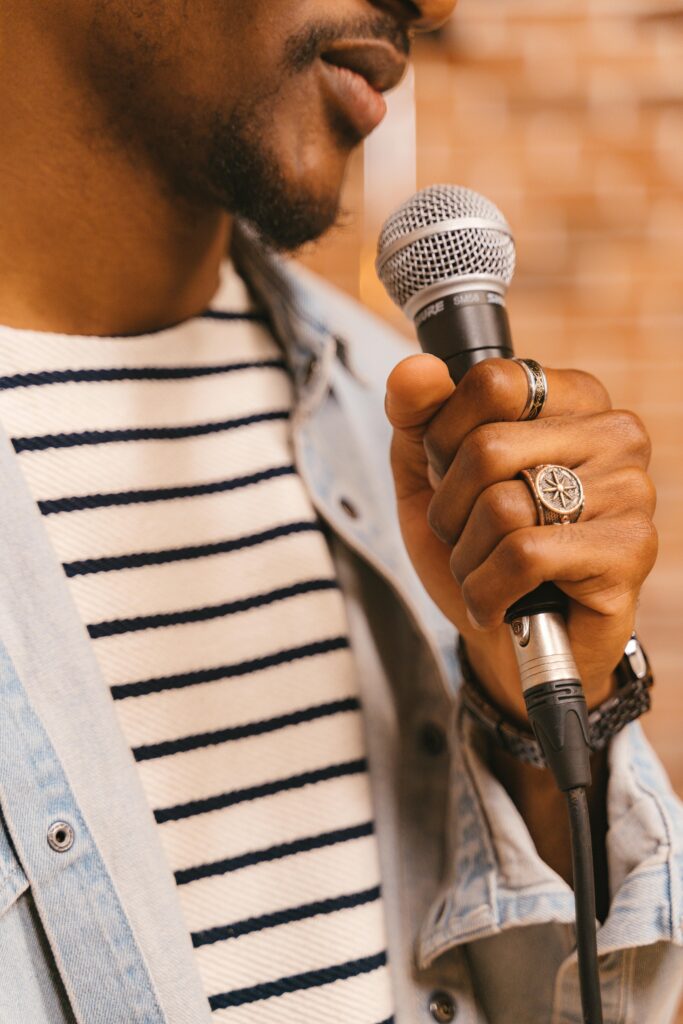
557, 493
559, 489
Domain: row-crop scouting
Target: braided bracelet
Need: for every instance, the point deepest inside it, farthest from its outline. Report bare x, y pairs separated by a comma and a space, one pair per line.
631, 699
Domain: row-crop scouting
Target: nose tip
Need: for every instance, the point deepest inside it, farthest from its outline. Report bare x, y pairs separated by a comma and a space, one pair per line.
432, 13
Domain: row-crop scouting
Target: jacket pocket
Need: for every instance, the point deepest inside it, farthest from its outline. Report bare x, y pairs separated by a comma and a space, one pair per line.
30, 985
13, 880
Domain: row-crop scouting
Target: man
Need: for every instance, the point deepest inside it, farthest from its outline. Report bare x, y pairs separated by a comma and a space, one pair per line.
195, 476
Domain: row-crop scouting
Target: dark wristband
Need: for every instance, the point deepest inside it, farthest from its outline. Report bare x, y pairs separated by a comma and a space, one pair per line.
631, 699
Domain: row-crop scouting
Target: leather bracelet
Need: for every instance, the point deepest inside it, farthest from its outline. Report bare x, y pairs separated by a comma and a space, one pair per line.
631, 699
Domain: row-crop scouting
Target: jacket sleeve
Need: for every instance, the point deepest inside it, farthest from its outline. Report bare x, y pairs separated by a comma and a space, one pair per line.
515, 914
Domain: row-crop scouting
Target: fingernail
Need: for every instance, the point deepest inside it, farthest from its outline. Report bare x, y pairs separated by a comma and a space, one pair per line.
473, 622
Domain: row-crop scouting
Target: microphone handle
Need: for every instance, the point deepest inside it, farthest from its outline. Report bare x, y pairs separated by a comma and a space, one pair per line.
462, 329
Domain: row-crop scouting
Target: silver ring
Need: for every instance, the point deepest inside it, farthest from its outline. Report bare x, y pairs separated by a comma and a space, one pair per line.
538, 388
557, 493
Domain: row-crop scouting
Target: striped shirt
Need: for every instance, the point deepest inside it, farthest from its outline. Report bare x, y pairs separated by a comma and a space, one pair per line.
162, 466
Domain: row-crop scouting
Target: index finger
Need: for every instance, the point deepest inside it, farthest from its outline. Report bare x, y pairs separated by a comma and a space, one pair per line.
496, 391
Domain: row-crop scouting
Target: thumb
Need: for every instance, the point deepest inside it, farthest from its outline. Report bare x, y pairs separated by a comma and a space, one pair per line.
416, 389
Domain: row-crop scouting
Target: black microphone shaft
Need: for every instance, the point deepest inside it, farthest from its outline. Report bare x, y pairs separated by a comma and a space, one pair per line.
465, 328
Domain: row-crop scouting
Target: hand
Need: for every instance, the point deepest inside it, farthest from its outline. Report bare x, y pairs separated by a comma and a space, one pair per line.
470, 526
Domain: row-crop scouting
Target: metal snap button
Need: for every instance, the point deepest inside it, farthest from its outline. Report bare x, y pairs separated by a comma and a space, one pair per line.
442, 1007
60, 836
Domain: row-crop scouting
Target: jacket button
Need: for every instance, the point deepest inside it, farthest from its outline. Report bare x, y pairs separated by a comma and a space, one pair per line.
60, 836
442, 1007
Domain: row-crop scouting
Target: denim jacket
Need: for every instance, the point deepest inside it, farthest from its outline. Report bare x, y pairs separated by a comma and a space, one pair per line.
90, 923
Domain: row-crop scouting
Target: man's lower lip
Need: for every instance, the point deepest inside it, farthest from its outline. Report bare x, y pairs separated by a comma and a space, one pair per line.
361, 105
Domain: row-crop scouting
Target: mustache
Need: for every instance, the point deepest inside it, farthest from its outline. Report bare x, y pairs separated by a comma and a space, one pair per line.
303, 47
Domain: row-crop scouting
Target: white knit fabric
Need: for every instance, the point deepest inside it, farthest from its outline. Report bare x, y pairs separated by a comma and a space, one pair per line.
163, 468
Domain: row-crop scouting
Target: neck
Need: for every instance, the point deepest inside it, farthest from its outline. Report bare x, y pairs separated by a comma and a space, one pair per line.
93, 239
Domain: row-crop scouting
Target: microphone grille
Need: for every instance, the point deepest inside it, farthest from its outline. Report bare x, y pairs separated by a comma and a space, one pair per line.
443, 233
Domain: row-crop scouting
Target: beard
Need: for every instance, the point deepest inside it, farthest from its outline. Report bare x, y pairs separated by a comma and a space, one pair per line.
245, 178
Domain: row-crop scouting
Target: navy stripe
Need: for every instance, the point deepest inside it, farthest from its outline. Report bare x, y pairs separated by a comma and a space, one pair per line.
106, 374
91, 501
239, 796
150, 751
116, 627
221, 314
389, 1020
271, 853
241, 668
90, 437
302, 913
136, 561
298, 982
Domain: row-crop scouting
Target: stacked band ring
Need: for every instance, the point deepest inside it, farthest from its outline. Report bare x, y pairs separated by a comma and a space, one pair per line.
538, 388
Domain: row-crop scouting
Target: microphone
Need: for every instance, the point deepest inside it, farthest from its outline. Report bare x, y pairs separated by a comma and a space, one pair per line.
447, 257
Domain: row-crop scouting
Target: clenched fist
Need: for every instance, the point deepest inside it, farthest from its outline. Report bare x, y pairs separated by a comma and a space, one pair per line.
471, 526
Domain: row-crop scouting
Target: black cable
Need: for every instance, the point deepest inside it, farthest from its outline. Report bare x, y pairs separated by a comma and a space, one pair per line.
558, 715
584, 899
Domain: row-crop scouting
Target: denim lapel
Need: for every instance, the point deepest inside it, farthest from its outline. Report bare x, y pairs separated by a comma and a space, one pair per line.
81, 766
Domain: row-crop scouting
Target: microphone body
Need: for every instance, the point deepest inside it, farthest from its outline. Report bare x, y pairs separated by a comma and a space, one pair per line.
464, 329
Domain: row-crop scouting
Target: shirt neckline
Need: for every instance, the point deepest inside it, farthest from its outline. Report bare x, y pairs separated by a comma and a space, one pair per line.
230, 296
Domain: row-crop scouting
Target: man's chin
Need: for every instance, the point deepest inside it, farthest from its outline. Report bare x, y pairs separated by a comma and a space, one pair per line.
288, 227
285, 215
250, 180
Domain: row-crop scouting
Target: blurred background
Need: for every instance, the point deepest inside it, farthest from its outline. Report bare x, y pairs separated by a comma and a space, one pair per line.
569, 115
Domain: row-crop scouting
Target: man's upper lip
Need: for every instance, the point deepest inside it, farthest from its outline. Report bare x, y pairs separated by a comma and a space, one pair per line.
377, 60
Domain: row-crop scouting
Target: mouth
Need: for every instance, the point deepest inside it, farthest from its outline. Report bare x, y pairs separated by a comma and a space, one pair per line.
357, 73
375, 60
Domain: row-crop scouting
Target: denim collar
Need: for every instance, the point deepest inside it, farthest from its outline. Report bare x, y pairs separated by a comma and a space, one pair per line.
294, 317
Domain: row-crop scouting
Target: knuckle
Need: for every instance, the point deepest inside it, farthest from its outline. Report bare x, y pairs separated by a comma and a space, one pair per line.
616, 600
436, 517
478, 601
458, 565
487, 383
642, 489
481, 451
652, 547
499, 512
594, 389
632, 551
520, 553
631, 431
436, 449
648, 493
644, 533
